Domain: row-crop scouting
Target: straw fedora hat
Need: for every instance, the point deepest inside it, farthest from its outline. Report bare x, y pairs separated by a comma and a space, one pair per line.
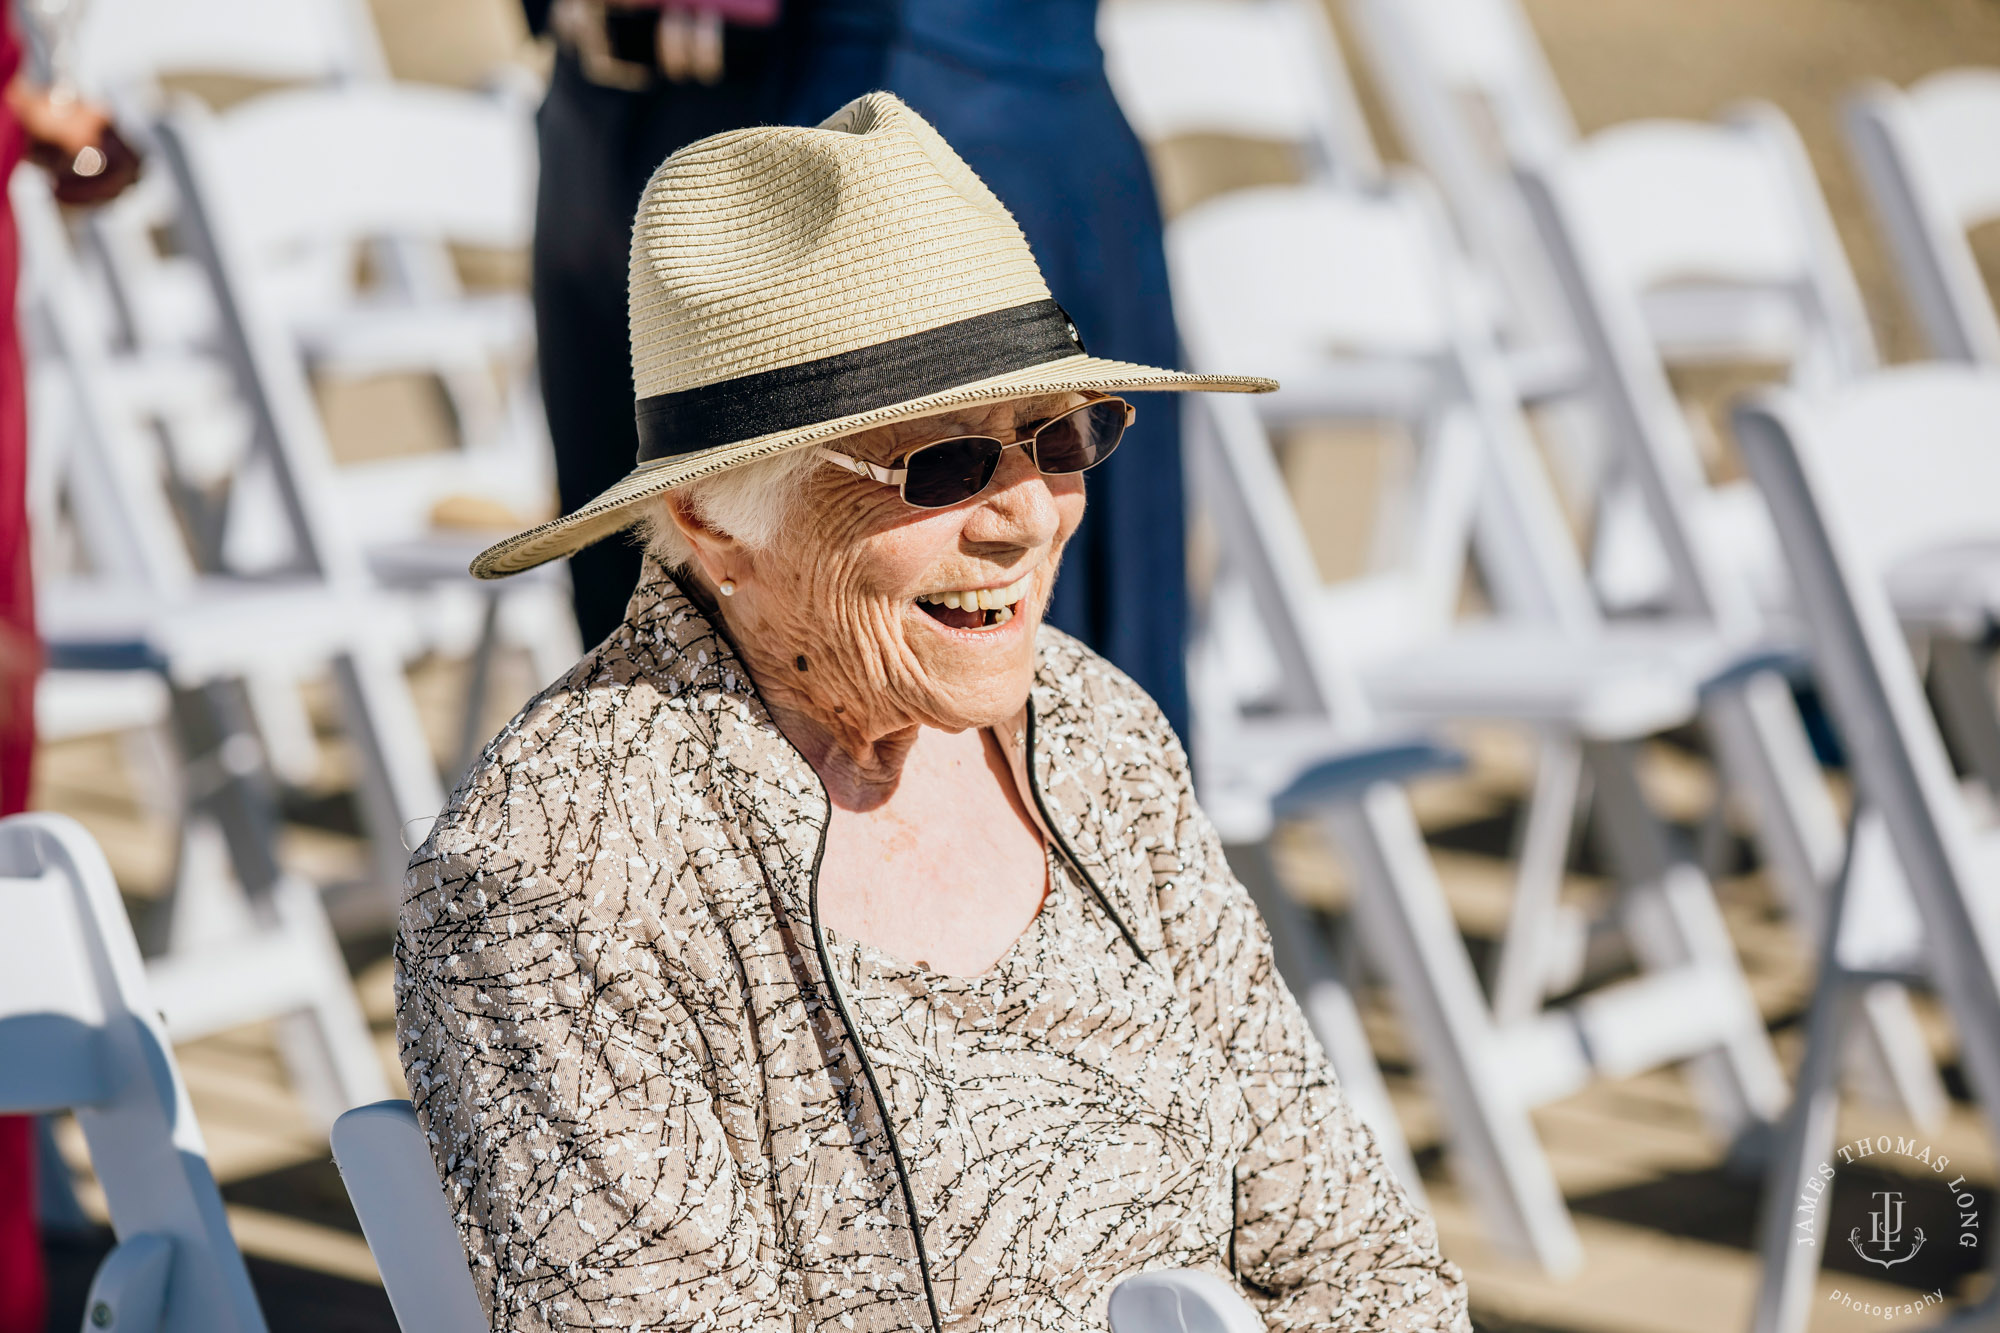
793, 285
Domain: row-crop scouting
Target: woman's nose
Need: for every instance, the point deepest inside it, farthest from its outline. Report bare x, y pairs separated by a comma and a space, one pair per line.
1018, 507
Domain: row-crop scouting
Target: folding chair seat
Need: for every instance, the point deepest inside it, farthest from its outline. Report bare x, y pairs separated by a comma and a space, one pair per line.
1926, 155
79, 1033
1269, 70
1850, 512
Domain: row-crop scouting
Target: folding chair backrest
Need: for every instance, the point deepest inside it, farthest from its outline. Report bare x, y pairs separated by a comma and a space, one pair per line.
278, 196
1467, 82
1718, 210
110, 475
123, 48
78, 1033
1363, 307
1727, 204
392, 1181
1268, 277
1265, 69
1860, 481
1471, 93
295, 170
1927, 157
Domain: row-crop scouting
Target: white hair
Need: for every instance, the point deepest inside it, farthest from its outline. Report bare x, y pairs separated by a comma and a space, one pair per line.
749, 502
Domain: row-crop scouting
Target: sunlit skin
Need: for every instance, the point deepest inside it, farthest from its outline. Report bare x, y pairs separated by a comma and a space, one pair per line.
931, 855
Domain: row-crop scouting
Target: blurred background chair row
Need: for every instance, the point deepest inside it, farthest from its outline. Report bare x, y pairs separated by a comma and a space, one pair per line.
240, 595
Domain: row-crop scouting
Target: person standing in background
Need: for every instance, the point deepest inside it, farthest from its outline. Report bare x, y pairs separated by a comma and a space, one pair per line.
1018, 88
633, 81
88, 163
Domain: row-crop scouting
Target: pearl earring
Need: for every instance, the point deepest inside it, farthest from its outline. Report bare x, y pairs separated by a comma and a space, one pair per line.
727, 587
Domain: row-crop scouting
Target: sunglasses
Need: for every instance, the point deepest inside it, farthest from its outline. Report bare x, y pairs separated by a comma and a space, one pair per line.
951, 471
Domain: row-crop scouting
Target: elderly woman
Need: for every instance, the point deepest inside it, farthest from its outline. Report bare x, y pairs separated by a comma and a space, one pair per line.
836, 947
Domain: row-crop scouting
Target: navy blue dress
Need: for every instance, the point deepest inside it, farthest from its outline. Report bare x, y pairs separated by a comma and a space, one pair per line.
1018, 88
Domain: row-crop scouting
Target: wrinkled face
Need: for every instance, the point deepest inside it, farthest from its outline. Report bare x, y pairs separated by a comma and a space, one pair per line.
907, 616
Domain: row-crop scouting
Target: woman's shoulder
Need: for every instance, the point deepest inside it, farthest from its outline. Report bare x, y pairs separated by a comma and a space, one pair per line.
582, 786
1081, 699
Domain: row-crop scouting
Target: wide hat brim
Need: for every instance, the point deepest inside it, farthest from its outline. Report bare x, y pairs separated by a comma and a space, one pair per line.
617, 507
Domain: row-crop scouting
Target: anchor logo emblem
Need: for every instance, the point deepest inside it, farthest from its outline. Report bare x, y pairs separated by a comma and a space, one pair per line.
1885, 1232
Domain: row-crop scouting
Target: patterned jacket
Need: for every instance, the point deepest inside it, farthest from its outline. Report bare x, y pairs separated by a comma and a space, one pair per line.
652, 1112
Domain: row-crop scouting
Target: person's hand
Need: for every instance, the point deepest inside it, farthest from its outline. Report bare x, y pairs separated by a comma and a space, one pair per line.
690, 45
75, 142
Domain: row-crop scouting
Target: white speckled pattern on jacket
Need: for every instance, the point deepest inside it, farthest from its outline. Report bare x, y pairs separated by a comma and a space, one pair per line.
649, 1114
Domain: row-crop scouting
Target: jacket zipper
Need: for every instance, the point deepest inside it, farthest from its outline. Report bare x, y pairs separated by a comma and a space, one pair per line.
847, 1019
868, 1072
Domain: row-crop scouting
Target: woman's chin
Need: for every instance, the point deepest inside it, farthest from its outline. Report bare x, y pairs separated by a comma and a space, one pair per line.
978, 677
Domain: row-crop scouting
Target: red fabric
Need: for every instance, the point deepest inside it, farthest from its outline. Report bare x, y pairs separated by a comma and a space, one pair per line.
742, 13
23, 1284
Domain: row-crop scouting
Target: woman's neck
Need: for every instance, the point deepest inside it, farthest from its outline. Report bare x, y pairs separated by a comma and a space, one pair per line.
860, 772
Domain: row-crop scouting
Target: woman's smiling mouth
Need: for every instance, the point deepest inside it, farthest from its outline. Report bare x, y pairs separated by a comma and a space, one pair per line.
976, 608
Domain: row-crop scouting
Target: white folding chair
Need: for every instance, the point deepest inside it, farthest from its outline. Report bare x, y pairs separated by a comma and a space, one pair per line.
391, 1178
79, 1033
362, 163
1850, 512
392, 1181
1926, 155
139, 643
1761, 226
1267, 70
1669, 537
1357, 302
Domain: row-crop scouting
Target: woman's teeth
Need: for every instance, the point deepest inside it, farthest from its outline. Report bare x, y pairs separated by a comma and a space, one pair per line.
977, 608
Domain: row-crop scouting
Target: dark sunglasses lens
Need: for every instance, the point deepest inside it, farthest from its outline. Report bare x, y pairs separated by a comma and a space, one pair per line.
1081, 439
949, 472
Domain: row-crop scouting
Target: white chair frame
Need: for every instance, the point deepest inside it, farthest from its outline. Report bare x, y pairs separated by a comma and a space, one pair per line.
1848, 513
1268, 70
1400, 299
1926, 156
248, 941
79, 1033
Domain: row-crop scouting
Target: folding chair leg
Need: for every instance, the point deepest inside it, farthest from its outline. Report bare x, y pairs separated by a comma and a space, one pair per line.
1306, 963
249, 941
1764, 754
1964, 692
332, 1033
1672, 920
399, 784
1522, 978
1793, 1235
478, 678
1402, 907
